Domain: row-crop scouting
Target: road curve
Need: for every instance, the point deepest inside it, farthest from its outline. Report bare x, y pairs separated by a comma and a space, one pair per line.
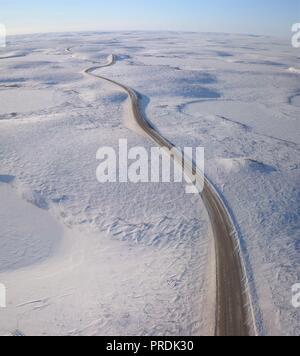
234, 316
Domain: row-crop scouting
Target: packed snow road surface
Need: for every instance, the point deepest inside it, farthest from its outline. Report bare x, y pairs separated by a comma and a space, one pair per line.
233, 313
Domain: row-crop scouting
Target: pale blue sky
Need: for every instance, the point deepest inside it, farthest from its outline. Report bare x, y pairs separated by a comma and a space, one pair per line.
271, 17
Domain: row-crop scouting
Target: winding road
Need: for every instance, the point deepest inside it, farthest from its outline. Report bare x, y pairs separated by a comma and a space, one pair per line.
234, 313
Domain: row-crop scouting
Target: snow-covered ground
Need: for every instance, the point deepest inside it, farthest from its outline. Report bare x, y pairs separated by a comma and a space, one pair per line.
79, 257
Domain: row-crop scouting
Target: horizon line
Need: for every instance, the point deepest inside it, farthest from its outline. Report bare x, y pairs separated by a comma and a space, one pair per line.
142, 31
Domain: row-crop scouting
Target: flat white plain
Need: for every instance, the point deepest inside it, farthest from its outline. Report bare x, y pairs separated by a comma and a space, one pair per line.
123, 259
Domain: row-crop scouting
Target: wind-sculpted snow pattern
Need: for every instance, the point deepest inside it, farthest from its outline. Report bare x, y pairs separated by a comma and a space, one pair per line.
139, 259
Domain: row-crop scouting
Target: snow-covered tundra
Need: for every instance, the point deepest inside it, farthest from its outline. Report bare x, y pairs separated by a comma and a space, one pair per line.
82, 258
